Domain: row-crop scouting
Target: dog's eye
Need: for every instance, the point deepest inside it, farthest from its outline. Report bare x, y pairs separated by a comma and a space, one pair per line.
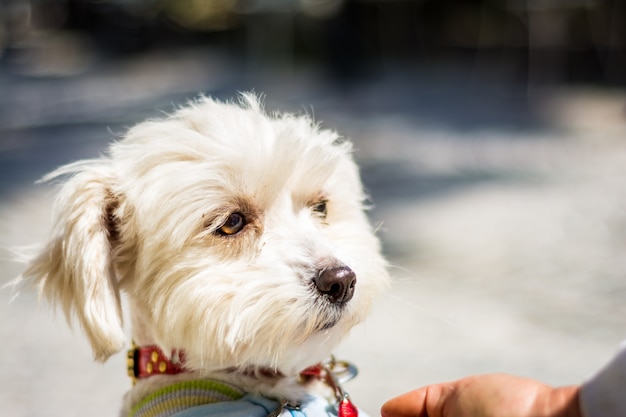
320, 208
233, 224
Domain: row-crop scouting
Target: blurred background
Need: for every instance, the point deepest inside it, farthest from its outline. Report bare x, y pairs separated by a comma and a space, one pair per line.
491, 136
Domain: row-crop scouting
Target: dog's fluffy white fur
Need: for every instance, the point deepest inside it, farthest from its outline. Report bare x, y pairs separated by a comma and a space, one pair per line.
147, 219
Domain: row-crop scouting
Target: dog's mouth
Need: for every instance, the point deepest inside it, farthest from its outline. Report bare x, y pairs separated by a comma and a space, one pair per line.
328, 324
328, 314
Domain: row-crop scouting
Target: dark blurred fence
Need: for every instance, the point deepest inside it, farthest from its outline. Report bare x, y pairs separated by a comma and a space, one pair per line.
541, 41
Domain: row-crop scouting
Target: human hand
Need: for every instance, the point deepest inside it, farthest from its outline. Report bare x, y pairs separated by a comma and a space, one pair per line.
494, 395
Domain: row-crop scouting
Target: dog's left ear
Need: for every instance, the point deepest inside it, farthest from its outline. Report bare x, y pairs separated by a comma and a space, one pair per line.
75, 269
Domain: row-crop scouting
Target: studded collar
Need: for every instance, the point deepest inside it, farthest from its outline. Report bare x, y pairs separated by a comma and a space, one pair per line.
147, 361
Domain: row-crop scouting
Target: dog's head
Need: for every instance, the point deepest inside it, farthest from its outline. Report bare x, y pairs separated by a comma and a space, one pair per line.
238, 237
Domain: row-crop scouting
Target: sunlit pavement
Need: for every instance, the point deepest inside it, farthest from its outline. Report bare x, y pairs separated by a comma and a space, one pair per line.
502, 211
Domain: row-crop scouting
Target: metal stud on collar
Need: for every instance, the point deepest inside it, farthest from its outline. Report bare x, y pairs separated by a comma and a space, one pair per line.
131, 360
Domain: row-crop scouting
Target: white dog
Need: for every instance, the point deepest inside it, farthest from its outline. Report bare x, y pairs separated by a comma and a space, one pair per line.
241, 242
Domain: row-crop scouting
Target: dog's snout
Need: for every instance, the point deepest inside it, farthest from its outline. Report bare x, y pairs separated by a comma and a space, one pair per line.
337, 284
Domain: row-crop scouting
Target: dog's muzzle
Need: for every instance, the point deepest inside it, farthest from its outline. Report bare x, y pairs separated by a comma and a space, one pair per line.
336, 284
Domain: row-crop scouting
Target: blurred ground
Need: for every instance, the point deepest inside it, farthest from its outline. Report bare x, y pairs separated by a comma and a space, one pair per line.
502, 209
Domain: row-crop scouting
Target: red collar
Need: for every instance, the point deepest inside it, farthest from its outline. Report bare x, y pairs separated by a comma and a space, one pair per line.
144, 362
147, 361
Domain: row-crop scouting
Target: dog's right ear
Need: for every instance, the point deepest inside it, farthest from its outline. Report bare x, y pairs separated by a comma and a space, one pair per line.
75, 269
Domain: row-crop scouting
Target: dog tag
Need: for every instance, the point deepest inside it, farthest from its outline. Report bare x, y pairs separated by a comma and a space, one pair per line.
344, 371
345, 408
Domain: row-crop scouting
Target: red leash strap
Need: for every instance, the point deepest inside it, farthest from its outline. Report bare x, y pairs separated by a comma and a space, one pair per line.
347, 409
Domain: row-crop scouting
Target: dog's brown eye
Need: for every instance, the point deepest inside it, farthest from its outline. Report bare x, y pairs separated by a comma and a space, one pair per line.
320, 208
233, 225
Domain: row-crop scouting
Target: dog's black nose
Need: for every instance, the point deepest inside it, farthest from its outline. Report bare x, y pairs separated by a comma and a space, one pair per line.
337, 284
